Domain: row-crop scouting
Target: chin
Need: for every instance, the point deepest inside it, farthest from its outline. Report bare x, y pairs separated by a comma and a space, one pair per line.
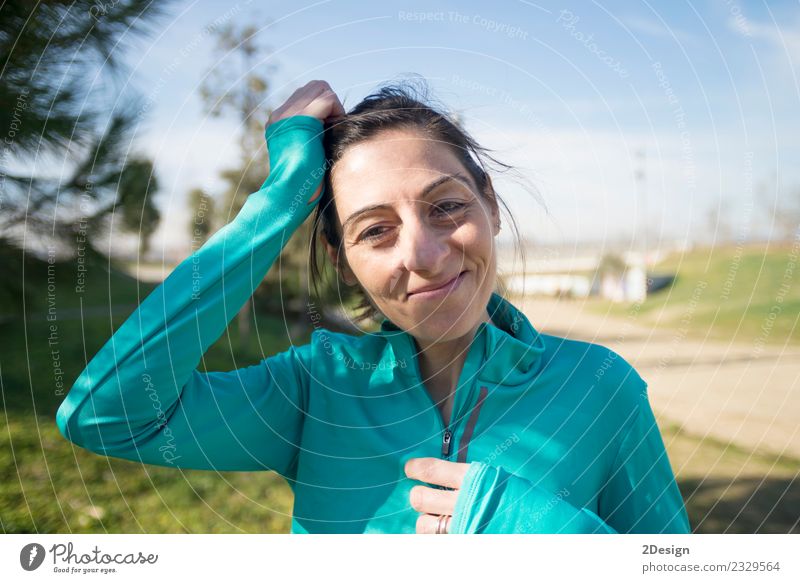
447, 324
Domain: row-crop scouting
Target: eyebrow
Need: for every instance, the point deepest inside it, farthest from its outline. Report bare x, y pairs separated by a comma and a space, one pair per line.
457, 176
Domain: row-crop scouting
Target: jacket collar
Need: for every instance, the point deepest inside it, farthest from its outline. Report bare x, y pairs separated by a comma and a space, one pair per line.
507, 353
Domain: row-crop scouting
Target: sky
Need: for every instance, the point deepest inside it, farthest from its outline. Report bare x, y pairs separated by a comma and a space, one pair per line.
698, 100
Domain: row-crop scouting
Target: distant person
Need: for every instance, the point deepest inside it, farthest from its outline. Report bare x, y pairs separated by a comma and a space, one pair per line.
457, 416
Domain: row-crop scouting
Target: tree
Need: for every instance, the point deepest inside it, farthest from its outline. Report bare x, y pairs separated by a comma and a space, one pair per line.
718, 225
787, 215
139, 214
202, 212
612, 264
52, 118
239, 90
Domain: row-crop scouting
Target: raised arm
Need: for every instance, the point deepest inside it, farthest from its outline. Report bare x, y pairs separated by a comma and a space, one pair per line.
142, 398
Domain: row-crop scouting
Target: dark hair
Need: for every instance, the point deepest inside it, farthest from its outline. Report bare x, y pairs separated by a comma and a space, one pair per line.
394, 106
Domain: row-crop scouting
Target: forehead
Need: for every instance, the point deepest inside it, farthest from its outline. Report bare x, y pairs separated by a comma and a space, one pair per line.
393, 165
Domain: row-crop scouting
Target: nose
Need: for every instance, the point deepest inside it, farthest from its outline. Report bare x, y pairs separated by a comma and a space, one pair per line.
422, 248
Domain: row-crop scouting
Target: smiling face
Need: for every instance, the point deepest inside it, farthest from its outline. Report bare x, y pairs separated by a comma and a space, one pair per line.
411, 218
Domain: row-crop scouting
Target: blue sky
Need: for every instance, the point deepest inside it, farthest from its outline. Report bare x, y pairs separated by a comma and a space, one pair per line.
568, 92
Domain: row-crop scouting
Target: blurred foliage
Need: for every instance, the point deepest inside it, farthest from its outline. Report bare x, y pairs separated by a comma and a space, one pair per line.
611, 264
139, 215
51, 485
51, 117
201, 222
236, 85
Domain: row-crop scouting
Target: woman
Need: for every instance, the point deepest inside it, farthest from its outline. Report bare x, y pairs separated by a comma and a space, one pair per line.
457, 416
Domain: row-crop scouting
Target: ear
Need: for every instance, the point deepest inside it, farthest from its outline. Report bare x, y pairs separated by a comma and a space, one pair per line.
340, 263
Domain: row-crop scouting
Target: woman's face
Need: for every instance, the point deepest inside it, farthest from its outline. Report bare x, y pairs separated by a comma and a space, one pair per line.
411, 217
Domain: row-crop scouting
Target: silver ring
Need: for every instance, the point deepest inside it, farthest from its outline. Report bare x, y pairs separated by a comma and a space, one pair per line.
440, 525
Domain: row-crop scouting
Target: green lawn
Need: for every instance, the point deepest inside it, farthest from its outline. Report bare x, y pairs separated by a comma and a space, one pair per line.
748, 294
728, 489
50, 485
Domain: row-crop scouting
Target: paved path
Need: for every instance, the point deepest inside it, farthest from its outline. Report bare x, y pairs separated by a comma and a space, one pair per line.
745, 394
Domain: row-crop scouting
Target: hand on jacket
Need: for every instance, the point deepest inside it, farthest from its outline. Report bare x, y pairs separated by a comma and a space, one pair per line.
485, 498
430, 502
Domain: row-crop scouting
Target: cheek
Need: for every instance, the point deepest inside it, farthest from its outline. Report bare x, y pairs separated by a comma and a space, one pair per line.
476, 240
373, 270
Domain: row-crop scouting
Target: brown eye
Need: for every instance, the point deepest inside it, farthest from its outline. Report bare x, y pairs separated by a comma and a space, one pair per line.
372, 233
449, 207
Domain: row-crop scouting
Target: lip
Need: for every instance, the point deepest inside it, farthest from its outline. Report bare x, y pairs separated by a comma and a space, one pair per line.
440, 291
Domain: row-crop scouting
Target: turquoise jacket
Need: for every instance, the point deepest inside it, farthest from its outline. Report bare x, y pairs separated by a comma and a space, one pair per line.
559, 434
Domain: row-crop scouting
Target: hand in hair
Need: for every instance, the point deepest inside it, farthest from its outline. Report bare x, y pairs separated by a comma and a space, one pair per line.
315, 98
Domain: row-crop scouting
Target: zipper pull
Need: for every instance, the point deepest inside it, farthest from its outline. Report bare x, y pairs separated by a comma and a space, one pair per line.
446, 442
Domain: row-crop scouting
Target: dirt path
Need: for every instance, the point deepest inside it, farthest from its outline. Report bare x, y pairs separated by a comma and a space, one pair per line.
745, 394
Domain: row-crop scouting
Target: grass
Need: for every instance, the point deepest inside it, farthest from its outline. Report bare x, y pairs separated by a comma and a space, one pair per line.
746, 294
53, 486
728, 489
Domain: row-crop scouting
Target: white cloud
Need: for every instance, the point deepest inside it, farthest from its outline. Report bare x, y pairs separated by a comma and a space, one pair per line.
785, 37
659, 29
588, 181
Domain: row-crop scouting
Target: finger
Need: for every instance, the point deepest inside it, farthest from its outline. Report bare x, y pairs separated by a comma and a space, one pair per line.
322, 105
435, 471
427, 523
424, 499
338, 108
323, 89
303, 95
300, 100
319, 88
320, 83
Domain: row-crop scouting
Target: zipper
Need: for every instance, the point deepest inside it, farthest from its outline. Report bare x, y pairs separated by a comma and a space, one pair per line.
448, 430
445, 430
447, 436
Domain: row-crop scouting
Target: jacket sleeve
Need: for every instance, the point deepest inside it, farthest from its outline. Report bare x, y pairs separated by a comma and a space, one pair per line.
141, 397
640, 496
